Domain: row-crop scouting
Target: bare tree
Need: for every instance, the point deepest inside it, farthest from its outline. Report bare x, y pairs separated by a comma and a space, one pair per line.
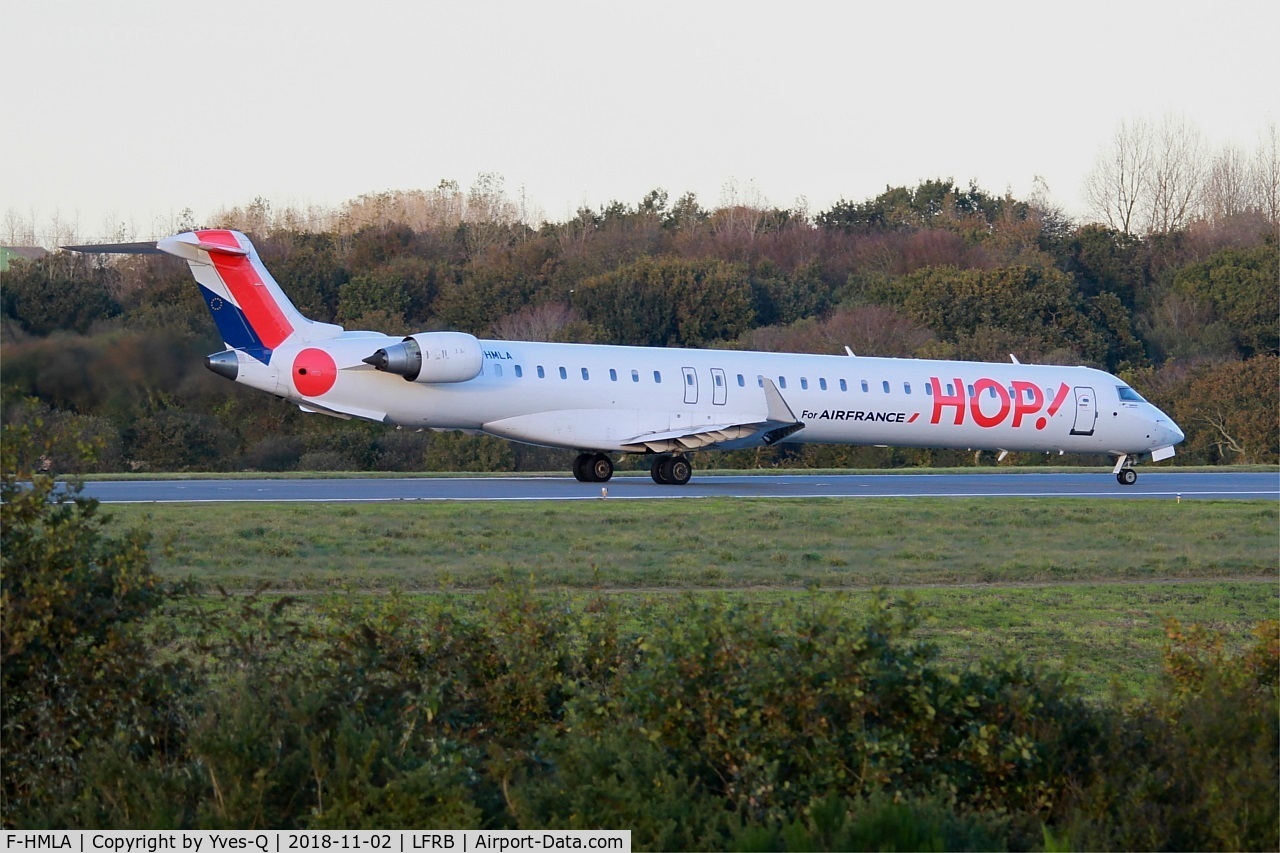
1121, 175
1228, 191
18, 230
1264, 175
542, 322
1177, 175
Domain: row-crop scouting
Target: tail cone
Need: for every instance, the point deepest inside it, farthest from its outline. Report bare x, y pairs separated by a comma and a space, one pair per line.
226, 364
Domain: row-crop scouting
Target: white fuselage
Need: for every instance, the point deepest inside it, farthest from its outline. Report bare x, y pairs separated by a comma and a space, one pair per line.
607, 398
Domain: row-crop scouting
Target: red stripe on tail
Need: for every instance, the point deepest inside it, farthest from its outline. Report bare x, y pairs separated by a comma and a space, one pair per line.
249, 291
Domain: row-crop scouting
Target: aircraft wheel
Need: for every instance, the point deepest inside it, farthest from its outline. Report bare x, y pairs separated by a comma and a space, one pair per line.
657, 471
677, 470
600, 468
1127, 476
581, 467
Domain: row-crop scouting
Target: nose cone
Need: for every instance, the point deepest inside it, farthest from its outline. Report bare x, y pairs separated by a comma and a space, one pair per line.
1167, 432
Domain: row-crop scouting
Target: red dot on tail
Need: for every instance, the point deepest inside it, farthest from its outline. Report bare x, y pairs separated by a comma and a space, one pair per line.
1041, 423
314, 372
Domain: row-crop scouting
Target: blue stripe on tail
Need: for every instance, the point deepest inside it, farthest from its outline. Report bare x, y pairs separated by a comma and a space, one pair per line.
234, 326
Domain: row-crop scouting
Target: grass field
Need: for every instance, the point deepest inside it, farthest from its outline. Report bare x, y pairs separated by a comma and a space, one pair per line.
710, 544
1076, 584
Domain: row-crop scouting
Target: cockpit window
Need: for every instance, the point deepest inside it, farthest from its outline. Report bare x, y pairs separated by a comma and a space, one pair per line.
1128, 395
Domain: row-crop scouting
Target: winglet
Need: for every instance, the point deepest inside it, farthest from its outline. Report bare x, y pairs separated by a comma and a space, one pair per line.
778, 409
779, 413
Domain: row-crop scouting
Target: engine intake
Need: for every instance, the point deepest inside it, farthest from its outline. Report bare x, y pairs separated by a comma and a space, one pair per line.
431, 357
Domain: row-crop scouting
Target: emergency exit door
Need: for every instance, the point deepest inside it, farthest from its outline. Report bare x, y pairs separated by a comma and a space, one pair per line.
690, 385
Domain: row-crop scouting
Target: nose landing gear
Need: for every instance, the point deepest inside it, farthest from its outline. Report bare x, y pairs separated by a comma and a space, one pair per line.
1125, 475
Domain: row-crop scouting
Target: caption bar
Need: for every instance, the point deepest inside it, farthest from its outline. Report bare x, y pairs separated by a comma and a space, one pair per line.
290, 841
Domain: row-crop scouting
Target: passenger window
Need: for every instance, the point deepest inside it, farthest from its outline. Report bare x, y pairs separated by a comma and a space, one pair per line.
864, 386
951, 390
928, 389
719, 380
585, 377
804, 384
564, 374
992, 389
742, 381
971, 394
760, 380
844, 386
497, 370
822, 384
519, 371
782, 382
542, 374
613, 375
886, 386
635, 376
688, 379
906, 386
657, 378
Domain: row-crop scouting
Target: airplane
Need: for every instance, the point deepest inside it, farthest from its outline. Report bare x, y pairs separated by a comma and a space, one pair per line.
660, 402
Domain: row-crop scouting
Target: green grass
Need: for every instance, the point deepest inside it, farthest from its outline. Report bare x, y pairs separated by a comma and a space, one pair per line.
710, 544
1079, 585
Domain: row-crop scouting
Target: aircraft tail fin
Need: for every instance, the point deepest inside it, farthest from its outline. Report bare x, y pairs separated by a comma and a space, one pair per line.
251, 311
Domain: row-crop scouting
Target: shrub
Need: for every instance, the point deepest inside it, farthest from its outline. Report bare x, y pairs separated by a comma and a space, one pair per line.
73, 669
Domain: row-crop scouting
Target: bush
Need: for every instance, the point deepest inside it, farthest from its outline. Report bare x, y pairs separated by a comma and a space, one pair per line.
73, 668
274, 453
1197, 768
698, 724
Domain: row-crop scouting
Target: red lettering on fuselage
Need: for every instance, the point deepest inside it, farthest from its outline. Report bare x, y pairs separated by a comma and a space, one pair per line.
975, 403
1027, 400
940, 400
1020, 398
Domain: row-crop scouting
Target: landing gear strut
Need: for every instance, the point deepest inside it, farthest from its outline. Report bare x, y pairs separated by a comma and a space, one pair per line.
671, 470
592, 468
1125, 475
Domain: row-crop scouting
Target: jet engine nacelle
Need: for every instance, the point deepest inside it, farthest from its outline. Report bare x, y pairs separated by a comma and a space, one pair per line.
432, 357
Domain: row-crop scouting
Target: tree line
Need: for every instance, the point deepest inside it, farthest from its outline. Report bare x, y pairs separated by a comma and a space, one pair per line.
108, 352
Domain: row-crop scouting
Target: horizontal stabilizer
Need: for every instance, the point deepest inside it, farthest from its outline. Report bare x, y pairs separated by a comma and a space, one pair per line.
150, 247
147, 248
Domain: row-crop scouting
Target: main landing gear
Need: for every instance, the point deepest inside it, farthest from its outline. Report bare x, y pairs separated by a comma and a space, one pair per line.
598, 468
592, 468
1125, 475
671, 470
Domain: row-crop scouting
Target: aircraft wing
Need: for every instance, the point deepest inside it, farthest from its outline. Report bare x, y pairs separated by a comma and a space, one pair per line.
778, 423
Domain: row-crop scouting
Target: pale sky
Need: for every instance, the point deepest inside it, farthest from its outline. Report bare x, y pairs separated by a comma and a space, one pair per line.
131, 110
